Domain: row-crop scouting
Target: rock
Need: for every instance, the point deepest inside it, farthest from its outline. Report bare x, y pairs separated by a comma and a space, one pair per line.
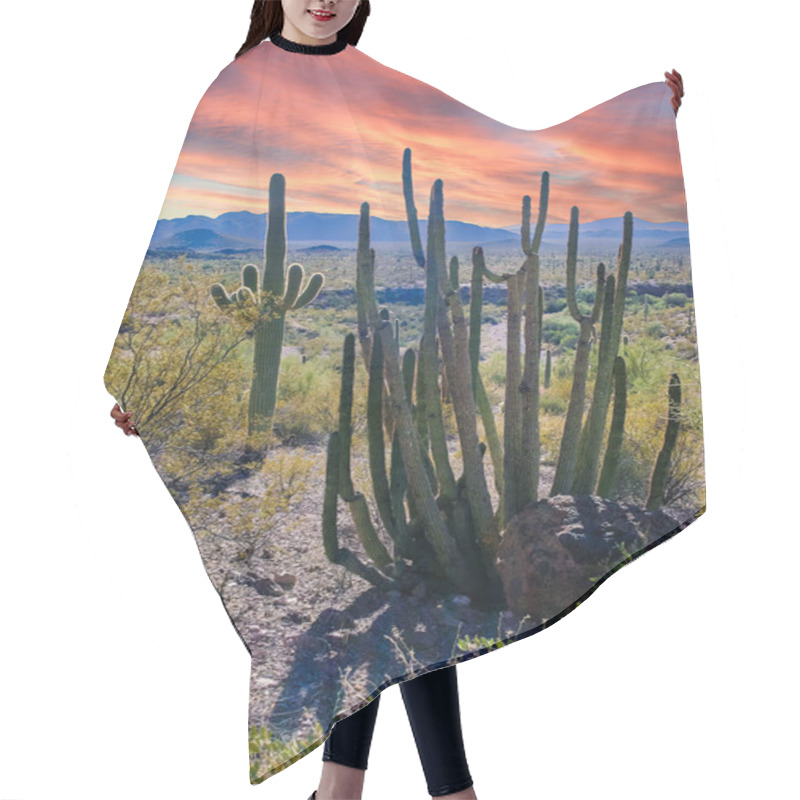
295, 617
286, 580
333, 618
265, 586
552, 549
338, 638
460, 600
419, 591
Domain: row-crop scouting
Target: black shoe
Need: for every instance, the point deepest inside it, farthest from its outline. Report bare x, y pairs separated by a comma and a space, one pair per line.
313, 795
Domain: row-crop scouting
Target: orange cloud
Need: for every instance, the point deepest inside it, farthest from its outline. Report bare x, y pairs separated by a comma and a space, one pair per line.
336, 127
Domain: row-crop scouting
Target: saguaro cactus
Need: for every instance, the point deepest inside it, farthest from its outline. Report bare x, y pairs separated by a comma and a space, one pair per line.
548, 368
280, 290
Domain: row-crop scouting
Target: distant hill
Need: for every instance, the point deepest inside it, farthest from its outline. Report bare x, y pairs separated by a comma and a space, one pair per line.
238, 231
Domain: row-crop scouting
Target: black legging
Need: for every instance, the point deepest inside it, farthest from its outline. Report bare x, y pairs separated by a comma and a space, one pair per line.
433, 711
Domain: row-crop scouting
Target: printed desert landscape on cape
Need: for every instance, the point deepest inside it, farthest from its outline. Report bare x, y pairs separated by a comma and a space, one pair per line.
403, 441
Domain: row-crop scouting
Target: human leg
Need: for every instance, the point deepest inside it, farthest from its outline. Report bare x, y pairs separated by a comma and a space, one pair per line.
433, 710
346, 754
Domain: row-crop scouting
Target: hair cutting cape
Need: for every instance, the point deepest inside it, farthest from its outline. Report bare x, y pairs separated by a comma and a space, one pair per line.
418, 380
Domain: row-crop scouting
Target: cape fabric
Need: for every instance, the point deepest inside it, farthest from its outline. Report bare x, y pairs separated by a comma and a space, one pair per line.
418, 380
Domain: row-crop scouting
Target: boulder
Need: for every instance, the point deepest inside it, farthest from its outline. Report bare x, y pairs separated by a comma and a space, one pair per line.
553, 549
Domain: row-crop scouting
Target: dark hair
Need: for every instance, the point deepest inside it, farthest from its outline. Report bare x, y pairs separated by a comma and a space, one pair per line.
266, 19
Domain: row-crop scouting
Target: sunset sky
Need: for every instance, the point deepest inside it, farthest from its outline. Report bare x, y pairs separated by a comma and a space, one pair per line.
336, 127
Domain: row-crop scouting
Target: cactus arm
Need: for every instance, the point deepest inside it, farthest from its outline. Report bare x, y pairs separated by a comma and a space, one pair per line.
250, 278
429, 363
479, 271
409, 364
490, 431
548, 367
613, 313
419, 489
479, 263
623, 267
346, 488
525, 227
455, 351
411, 209
397, 490
529, 387
220, 295
244, 297
365, 282
313, 288
608, 474
594, 427
475, 314
544, 199
330, 535
568, 452
512, 459
294, 280
356, 501
599, 293
658, 480
377, 453
572, 259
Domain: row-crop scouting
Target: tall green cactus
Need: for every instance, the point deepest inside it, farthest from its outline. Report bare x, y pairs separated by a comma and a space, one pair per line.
356, 501
479, 272
568, 453
522, 442
610, 337
528, 486
658, 479
280, 291
421, 512
608, 474
548, 368
431, 513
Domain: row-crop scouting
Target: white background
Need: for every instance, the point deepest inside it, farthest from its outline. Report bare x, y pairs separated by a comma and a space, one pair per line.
120, 673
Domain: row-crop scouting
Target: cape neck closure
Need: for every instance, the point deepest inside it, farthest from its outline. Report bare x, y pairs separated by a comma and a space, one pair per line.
309, 49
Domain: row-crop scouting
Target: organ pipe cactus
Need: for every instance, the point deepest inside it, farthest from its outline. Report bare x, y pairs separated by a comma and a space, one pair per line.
658, 479
356, 501
568, 453
613, 312
432, 514
608, 474
271, 293
522, 390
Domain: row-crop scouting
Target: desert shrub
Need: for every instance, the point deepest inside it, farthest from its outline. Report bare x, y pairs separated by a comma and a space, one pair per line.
554, 304
676, 299
560, 331
308, 396
585, 296
493, 371
655, 330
